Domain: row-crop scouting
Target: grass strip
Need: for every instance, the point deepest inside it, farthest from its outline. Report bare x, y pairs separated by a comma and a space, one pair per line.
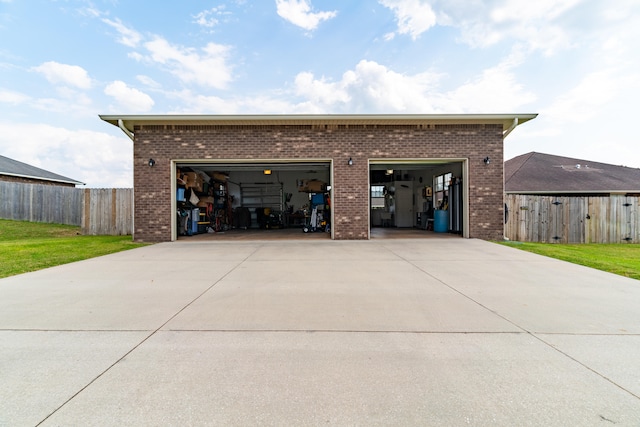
26, 246
622, 259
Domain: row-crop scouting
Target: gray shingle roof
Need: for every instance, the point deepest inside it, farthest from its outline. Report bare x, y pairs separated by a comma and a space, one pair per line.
539, 173
12, 167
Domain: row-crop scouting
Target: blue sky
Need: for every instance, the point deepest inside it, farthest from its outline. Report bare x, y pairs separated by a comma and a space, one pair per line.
575, 62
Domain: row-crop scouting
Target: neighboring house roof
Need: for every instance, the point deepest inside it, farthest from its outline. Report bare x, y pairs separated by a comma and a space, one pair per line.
12, 167
539, 173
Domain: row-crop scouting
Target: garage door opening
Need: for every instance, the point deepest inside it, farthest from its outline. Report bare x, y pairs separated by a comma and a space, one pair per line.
418, 199
258, 200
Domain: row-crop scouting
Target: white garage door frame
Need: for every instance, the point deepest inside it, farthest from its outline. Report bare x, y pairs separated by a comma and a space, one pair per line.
239, 162
430, 162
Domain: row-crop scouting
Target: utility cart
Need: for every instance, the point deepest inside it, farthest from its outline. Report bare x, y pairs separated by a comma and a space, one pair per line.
319, 214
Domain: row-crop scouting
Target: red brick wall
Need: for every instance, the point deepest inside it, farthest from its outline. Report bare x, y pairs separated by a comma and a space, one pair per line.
350, 184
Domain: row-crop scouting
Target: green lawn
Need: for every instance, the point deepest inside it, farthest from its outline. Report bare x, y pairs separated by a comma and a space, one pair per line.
30, 246
622, 259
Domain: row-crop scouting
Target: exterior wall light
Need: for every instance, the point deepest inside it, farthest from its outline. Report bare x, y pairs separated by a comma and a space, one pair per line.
267, 171
486, 160
151, 163
350, 162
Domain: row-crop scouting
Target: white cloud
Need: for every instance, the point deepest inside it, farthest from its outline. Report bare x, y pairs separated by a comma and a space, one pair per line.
540, 10
374, 88
583, 102
322, 92
195, 103
495, 90
208, 18
370, 88
485, 23
414, 16
11, 97
206, 66
129, 98
70, 75
538, 25
128, 36
96, 158
148, 81
299, 13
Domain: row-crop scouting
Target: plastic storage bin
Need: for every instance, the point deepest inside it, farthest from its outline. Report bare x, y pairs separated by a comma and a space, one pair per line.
441, 221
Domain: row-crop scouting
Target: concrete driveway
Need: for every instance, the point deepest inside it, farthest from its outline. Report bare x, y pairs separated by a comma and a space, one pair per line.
385, 332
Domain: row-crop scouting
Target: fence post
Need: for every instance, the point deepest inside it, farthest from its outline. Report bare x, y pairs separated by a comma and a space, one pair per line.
86, 211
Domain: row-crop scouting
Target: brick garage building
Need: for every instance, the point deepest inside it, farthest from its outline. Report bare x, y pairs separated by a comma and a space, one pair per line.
352, 151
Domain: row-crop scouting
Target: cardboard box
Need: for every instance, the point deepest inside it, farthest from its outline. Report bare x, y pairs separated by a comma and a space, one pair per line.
312, 186
193, 180
316, 186
204, 201
219, 176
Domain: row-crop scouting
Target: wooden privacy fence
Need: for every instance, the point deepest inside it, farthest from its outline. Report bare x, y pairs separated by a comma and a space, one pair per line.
98, 211
107, 211
41, 203
552, 219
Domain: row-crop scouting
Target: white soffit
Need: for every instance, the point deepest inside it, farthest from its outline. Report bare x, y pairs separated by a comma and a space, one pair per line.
506, 120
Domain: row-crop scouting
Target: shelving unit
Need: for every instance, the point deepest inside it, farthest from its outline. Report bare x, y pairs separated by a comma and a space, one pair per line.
221, 213
209, 210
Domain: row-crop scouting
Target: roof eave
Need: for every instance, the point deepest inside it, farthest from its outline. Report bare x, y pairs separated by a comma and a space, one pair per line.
40, 178
506, 120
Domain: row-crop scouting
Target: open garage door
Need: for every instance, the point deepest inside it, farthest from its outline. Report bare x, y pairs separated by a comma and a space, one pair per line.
260, 199
418, 198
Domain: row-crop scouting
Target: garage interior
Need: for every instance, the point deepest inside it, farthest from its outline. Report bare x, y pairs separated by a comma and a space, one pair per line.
239, 199
279, 200
428, 196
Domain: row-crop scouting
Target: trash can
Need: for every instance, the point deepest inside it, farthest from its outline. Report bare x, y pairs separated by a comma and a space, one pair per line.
441, 221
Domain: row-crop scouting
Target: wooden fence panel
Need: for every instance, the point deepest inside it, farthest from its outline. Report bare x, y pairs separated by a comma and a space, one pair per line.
550, 219
108, 211
633, 220
575, 215
40, 203
98, 211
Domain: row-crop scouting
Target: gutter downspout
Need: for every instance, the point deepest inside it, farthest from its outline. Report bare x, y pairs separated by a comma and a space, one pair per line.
127, 131
511, 128
133, 199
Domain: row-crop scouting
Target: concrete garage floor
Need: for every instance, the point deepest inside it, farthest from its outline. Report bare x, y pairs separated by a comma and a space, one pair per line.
441, 331
298, 234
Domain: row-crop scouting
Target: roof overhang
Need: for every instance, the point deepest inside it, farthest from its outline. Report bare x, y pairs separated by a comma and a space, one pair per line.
40, 178
508, 121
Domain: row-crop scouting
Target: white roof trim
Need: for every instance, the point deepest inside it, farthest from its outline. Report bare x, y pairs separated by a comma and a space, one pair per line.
506, 120
40, 178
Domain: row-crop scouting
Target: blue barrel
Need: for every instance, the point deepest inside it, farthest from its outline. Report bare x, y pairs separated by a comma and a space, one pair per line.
441, 221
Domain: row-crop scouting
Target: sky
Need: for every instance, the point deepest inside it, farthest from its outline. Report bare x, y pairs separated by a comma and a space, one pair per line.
63, 62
